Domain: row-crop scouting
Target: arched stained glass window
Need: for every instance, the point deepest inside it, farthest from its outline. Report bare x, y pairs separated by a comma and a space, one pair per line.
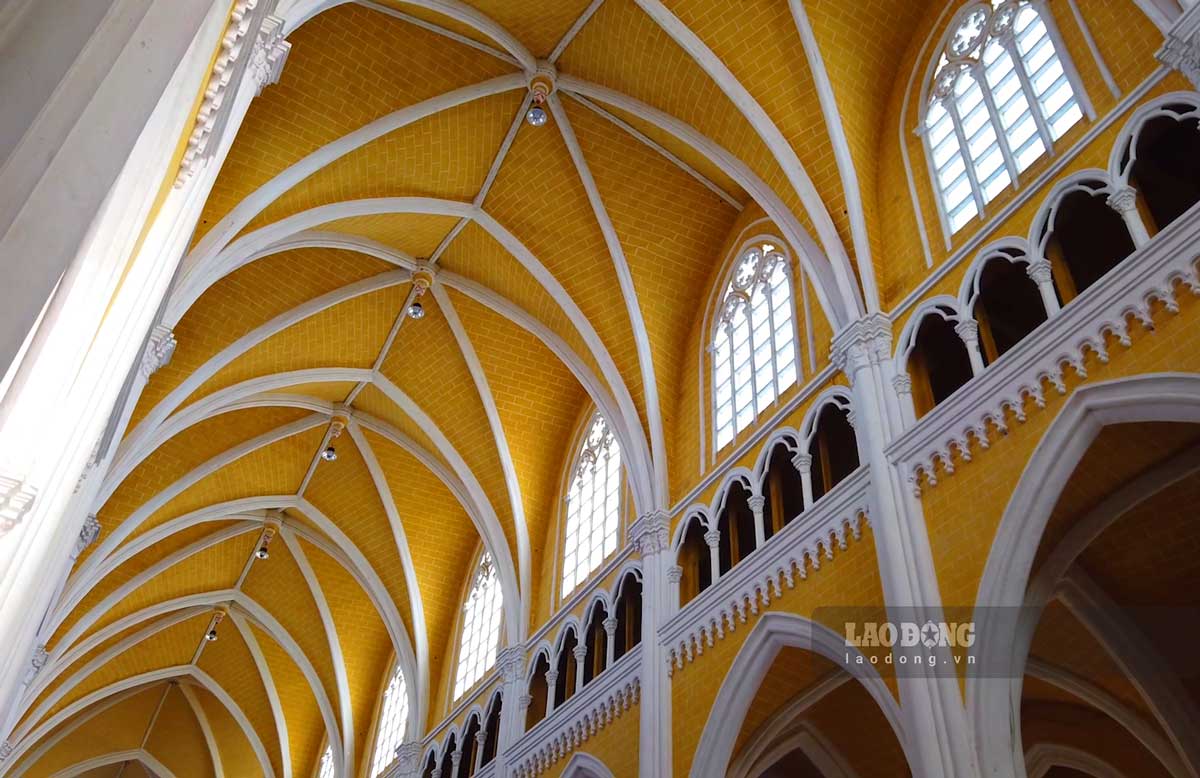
754, 350
393, 717
480, 627
593, 505
1000, 98
326, 768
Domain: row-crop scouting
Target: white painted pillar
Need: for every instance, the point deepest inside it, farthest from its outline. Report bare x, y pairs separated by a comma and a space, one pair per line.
514, 702
674, 577
712, 539
551, 690
1124, 202
968, 332
1042, 274
456, 759
120, 240
757, 503
580, 652
650, 535
803, 464
610, 647
939, 743
902, 383
480, 741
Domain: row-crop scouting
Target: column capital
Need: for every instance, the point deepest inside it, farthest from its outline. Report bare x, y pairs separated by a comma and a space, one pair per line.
802, 462
87, 535
16, 500
610, 625
6, 749
269, 54
160, 347
1181, 49
861, 343
757, 502
713, 538
1040, 271
902, 383
524, 701
511, 661
674, 574
1123, 200
552, 676
408, 757
651, 533
580, 652
967, 330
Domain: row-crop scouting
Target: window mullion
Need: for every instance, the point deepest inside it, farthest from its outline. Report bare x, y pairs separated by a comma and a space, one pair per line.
951, 106
771, 335
750, 356
733, 384
994, 114
1035, 104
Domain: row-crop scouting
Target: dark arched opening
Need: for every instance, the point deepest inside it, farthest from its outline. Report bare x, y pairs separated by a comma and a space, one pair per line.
491, 731
597, 644
447, 767
538, 692
834, 449
783, 491
694, 560
430, 766
1088, 239
736, 524
466, 763
1008, 307
1166, 172
938, 363
629, 615
564, 686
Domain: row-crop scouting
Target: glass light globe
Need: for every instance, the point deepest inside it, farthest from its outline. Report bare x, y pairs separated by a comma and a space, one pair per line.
536, 116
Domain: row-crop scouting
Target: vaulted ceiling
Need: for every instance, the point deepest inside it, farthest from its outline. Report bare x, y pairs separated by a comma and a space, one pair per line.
573, 264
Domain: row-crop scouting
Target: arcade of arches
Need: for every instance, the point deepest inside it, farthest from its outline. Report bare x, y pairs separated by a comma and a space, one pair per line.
605, 388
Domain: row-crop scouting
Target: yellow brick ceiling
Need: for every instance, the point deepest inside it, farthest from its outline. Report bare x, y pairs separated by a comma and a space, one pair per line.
529, 326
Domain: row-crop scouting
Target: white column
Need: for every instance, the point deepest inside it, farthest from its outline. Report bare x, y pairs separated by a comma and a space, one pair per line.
650, 535
119, 242
580, 652
610, 647
934, 717
408, 761
712, 539
757, 502
803, 464
456, 760
674, 576
514, 701
551, 691
968, 332
1124, 202
902, 383
1042, 274
480, 741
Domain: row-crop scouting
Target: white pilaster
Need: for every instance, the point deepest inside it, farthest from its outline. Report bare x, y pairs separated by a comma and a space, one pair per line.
650, 535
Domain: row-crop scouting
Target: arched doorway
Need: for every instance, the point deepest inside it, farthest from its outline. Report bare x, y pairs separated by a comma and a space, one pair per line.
1090, 593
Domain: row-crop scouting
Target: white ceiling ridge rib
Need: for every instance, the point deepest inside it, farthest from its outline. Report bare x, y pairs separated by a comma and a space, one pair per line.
512, 485
633, 309
817, 264
439, 30
139, 681
250, 244
785, 156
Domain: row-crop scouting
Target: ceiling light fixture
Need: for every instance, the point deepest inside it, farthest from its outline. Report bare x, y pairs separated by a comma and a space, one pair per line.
267, 536
422, 278
211, 635
329, 454
540, 88
335, 429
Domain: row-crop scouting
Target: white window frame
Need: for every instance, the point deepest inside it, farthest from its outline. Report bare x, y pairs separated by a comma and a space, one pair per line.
945, 58
734, 291
384, 717
586, 457
460, 689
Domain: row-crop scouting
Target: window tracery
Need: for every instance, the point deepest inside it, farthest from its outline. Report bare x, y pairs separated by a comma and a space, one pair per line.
754, 347
1001, 97
393, 718
593, 505
480, 638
